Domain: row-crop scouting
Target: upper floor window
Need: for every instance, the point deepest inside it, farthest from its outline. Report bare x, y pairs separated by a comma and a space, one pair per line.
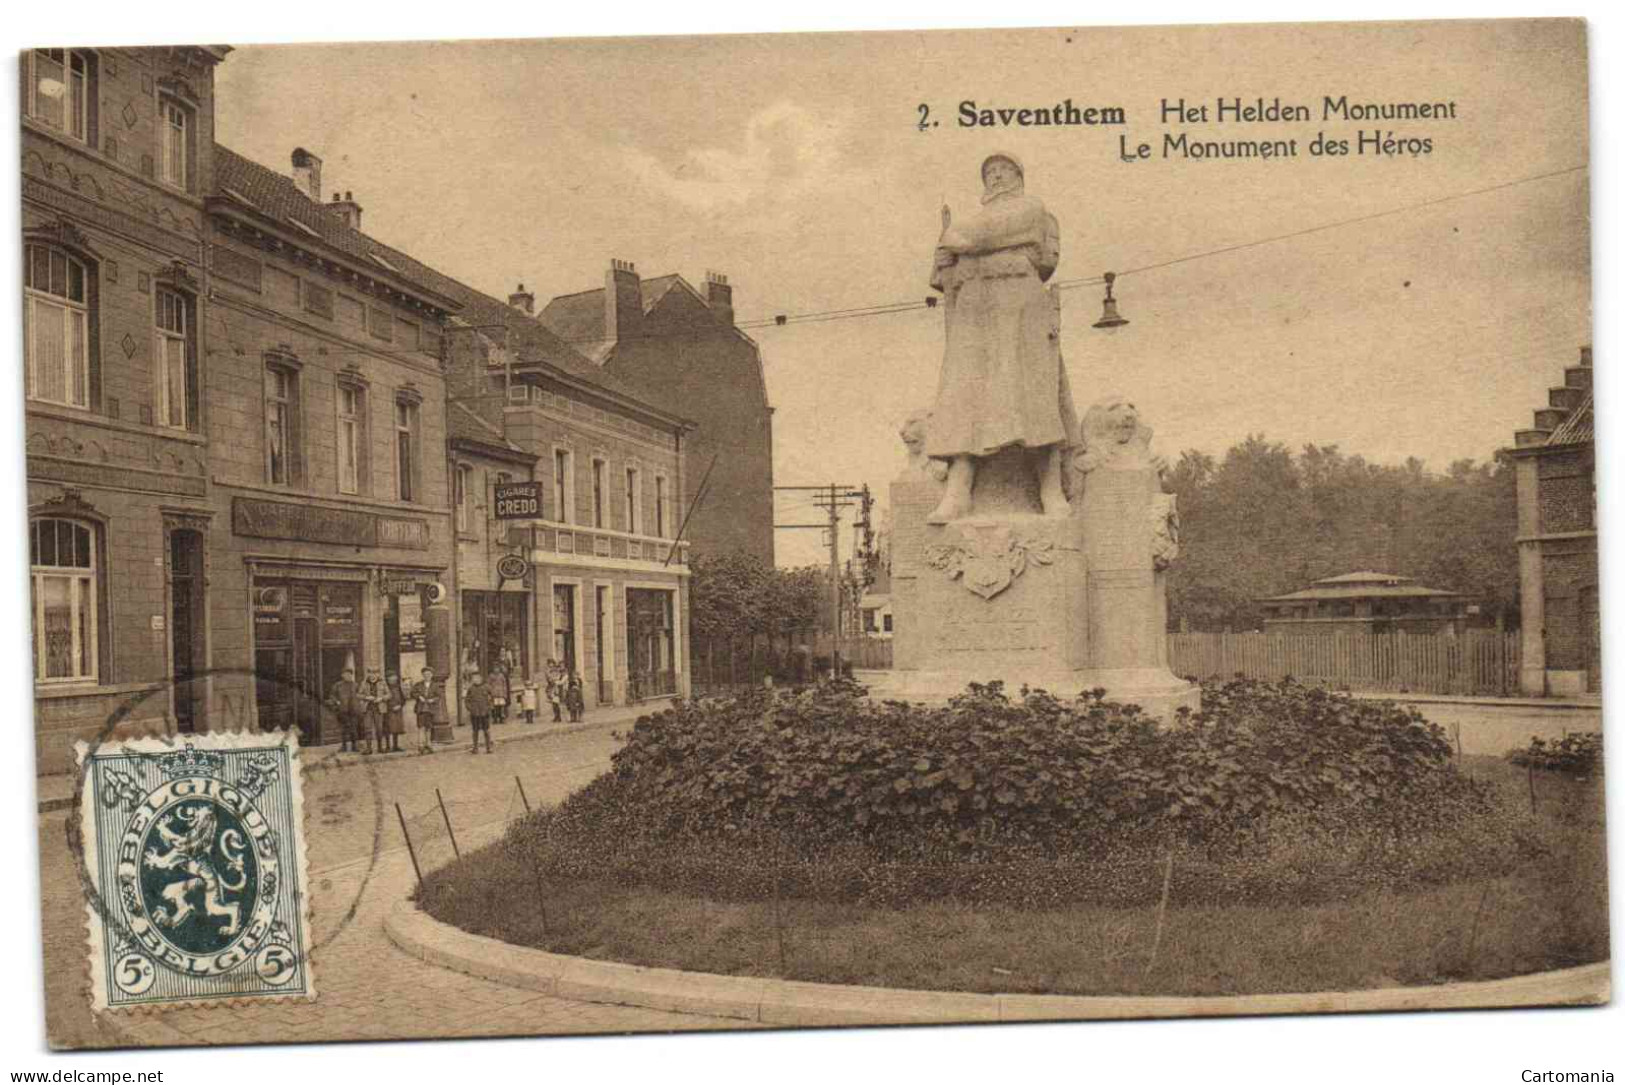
60, 89
282, 426
352, 443
56, 326
175, 143
173, 354
462, 487
660, 506
634, 502
564, 491
406, 449
599, 469
65, 582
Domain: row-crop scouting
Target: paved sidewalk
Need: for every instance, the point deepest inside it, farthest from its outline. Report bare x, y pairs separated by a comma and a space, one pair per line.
367, 989
55, 792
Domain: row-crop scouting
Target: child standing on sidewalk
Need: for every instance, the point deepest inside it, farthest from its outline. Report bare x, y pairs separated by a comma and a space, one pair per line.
478, 699
427, 698
527, 700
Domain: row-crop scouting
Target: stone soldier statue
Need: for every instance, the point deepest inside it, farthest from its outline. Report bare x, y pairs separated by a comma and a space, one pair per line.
1002, 385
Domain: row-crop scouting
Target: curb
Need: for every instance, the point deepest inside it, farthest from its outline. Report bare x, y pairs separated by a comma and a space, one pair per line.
787, 1002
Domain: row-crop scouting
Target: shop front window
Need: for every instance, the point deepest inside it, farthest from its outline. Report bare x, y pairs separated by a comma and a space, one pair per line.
650, 643
494, 626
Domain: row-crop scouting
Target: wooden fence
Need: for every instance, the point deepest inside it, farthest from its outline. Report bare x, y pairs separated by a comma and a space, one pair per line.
1482, 662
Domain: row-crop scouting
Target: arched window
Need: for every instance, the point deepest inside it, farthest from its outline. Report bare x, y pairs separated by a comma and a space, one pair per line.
63, 558
56, 325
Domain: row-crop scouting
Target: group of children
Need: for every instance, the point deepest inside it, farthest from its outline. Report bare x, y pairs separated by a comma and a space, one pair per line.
487, 702
374, 710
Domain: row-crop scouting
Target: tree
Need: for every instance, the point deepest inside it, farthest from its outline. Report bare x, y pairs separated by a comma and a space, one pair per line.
1264, 522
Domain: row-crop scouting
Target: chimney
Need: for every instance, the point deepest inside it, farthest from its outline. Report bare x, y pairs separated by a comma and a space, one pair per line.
523, 300
719, 296
623, 300
307, 173
346, 210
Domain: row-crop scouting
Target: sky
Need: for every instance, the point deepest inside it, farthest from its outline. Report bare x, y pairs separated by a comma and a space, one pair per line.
795, 165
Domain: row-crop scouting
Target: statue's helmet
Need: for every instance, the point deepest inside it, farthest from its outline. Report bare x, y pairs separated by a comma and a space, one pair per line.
1002, 156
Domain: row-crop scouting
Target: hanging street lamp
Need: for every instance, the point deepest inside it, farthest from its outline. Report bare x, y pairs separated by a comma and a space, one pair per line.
1109, 318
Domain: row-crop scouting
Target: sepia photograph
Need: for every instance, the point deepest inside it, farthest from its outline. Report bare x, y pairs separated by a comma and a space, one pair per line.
702, 533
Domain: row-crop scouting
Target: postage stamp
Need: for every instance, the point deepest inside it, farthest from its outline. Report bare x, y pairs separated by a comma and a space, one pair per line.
195, 856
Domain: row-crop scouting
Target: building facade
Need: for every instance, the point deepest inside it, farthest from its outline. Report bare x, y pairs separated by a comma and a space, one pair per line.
496, 612
608, 581
333, 525
116, 163
263, 447
669, 343
1557, 541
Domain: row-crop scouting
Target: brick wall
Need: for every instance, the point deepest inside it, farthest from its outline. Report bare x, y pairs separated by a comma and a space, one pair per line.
1567, 492
1570, 568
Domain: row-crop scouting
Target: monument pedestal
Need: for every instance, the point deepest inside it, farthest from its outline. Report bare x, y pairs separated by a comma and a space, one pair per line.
1010, 596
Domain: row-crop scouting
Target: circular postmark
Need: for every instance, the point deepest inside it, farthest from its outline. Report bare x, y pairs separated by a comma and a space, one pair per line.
197, 850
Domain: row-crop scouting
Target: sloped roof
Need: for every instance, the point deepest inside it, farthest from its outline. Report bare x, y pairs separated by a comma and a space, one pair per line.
578, 319
277, 197
1397, 591
1576, 428
1367, 577
463, 424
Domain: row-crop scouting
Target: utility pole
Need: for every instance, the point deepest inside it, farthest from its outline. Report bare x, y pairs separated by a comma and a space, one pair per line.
833, 496
834, 585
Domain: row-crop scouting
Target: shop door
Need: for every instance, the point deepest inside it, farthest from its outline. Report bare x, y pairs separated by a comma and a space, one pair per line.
564, 625
602, 640
307, 680
186, 626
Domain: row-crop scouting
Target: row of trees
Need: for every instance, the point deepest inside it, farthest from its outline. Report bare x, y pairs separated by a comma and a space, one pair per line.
1263, 521
737, 595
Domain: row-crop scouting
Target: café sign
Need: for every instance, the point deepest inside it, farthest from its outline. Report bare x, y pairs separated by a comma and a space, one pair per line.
315, 523
518, 500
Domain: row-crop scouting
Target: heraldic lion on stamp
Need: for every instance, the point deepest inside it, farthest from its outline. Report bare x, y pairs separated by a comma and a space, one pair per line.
194, 864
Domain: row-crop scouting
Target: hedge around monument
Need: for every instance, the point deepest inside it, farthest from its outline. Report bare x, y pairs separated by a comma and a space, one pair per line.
1274, 792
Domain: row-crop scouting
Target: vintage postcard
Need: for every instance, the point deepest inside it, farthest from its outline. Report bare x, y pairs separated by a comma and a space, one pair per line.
811, 529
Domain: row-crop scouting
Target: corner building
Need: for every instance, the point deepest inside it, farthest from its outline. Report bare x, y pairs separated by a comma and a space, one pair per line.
608, 585
116, 153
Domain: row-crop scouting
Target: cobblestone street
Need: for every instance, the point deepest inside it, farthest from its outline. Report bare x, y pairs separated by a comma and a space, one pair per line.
367, 989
